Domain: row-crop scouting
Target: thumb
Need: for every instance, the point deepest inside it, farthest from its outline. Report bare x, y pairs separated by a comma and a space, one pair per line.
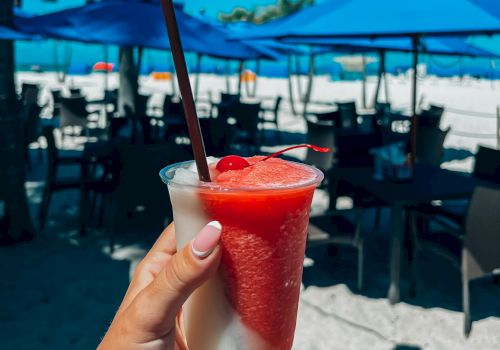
156, 307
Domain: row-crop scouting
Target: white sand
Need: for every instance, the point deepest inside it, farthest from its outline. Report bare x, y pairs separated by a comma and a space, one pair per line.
60, 291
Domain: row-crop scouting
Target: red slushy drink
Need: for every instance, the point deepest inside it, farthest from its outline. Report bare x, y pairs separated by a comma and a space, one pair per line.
264, 212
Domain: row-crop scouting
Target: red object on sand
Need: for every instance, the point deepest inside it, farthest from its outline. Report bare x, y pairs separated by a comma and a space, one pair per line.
103, 67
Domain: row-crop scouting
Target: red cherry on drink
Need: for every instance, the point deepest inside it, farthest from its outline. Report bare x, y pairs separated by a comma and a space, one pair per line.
232, 163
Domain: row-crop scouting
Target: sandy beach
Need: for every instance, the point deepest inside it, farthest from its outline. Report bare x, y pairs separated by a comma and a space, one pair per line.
61, 290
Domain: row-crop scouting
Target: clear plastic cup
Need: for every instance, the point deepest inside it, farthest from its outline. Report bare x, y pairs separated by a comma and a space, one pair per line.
252, 302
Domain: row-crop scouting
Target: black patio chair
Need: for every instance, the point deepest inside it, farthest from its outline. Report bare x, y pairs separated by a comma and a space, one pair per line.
335, 228
247, 117
486, 167
348, 114
430, 145
30, 93
74, 114
274, 112
473, 248
56, 103
138, 167
431, 117
321, 134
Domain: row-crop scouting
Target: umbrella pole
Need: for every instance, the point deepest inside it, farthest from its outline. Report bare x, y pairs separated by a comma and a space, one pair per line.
386, 84
228, 82
379, 78
240, 73
307, 96
363, 91
106, 78
290, 85
197, 77
415, 41
257, 73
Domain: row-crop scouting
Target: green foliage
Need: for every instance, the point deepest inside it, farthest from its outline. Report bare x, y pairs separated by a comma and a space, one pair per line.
281, 9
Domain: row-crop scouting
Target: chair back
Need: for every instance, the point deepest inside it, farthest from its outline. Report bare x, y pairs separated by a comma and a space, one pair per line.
229, 98
322, 135
56, 96
353, 149
482, 238
332, 117
139, 166
348, 115
167, 101
29, 93
277, 104
247, 117
218, 136
141, 105
75, 92
431, 117
382, 108
430, 143
73, 112
487, 165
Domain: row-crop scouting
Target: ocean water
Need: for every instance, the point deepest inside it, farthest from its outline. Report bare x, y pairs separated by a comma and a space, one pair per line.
79, 58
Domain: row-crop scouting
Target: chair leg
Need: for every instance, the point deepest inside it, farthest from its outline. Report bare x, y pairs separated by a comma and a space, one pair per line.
413, 253
44, 207
360, 265
466, 306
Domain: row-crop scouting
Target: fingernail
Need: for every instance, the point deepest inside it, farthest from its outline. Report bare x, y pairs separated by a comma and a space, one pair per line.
206, 241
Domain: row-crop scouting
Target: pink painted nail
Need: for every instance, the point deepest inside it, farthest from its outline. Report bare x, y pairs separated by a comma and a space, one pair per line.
206, 241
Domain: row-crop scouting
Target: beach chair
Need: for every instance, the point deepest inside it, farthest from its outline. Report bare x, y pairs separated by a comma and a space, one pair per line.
473, 248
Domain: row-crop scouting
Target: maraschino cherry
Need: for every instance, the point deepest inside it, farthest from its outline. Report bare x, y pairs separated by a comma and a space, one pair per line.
238, 163
232, 163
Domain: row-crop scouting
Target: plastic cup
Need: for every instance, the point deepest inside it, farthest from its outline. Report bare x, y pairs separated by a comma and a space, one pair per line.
252, 302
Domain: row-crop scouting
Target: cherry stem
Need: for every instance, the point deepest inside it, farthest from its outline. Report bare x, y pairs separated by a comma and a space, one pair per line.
313, 147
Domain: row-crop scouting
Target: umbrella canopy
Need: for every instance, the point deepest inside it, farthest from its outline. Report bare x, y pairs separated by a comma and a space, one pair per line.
435, 46
385, 18
10, 32
141, 24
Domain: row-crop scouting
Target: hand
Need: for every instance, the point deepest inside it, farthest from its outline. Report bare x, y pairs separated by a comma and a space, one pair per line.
147, 317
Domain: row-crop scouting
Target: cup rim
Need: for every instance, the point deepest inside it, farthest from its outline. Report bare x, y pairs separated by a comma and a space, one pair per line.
319, 176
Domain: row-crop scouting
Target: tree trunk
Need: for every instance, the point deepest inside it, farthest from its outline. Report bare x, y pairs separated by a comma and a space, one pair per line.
129, 84
12, 167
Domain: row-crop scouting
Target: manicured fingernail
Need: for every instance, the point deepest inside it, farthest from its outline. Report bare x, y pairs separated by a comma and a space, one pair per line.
206, 241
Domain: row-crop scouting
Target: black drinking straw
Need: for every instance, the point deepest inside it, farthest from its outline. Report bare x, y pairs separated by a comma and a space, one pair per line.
185, 89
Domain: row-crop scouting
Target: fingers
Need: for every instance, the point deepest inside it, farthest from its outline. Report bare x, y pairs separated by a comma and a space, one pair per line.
151, 265
156, 306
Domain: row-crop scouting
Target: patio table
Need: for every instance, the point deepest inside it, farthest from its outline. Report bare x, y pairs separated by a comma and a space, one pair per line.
428, 184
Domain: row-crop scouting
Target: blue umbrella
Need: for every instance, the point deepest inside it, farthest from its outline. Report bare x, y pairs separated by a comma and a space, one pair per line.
435, 46
141, 24
386, 18
10, 32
